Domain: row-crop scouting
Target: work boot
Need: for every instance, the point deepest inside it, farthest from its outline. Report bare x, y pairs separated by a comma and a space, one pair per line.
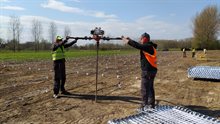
153, 106
55, 96
65, 92
141, 108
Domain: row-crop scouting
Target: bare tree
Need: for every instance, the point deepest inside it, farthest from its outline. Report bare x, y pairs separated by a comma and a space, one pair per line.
19, 29
12, 29
206, 28
2, 43
36, 32
52, 31
44, 44
15, 28
67, 31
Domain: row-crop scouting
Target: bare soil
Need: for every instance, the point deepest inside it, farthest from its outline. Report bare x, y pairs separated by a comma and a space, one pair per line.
26, 89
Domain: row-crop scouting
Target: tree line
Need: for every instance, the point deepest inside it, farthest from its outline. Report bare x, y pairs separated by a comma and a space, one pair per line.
206, 27
45, 45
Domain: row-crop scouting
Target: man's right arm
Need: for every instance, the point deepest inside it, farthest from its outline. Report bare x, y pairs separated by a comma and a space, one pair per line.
138, 45
57, 45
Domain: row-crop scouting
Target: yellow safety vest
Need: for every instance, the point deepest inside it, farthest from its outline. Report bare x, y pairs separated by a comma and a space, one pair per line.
58, 54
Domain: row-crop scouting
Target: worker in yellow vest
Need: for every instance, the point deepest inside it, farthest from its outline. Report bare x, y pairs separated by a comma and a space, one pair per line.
58, 56
148, 60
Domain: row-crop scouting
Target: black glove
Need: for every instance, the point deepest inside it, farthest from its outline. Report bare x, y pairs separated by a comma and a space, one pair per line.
66, 40
67, 37
76, 39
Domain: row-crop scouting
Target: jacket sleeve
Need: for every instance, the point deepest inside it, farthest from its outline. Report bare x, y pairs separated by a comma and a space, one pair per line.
57, 45
138, 45
70, 44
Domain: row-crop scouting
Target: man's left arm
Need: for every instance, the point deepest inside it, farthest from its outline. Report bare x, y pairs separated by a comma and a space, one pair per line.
70, 44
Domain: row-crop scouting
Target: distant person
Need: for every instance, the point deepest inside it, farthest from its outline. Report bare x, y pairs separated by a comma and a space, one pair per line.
184, 52
204, 50
58, 56
148, 66
193, 52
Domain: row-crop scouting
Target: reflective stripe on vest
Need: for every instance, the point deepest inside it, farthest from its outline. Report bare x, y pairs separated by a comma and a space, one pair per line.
58, 54
152, 59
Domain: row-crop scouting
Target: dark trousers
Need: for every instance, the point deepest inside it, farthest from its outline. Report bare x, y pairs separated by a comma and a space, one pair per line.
184, 54
59, 76
147, 88
193, 54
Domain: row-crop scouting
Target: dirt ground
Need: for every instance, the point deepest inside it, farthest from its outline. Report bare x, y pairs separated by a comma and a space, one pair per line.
26, 89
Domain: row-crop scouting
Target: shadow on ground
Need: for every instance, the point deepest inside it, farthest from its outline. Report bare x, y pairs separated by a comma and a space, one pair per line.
130, 99
204, 79
137, 100
205, 111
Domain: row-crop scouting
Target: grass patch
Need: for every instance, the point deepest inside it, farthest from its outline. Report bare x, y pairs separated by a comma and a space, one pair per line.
46, 55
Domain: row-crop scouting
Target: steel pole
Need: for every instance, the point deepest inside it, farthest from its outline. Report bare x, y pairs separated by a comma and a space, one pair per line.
97, 68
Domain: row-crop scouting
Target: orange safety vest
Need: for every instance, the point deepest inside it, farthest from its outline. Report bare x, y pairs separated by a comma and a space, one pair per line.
152, 59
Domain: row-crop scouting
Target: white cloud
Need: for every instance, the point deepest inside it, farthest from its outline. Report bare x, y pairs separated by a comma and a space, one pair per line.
53, 4
17, 8
101, 14
56, 5
113, 27
4, 1
4, 20
75, 1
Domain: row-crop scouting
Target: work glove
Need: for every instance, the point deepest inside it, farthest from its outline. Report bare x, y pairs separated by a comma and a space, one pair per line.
76, 39
66, 40
125, 39
67, 37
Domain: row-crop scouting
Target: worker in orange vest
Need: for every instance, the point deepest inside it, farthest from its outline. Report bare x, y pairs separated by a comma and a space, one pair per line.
148, 66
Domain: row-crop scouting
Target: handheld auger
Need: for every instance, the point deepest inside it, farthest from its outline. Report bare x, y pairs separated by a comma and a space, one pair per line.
97, 34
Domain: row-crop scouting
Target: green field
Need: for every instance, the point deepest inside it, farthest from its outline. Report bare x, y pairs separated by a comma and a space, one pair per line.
46, 55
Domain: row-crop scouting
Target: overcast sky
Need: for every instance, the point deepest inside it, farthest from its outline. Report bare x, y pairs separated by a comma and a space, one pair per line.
162, 19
